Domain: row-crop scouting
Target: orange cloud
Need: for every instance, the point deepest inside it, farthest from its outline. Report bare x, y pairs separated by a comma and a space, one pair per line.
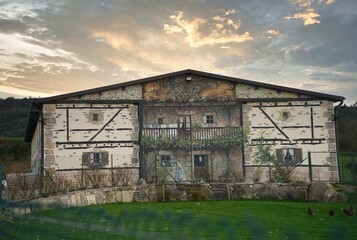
309, 16
200, 32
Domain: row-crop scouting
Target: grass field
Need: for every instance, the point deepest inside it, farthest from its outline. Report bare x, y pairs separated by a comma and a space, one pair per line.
239, 219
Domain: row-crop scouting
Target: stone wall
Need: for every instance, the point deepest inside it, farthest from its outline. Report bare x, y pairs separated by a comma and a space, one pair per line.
317, 191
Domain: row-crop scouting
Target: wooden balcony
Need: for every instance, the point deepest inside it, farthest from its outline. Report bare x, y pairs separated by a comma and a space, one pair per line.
201, 134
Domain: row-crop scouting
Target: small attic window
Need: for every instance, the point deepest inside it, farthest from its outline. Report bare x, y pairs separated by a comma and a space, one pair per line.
123, 88
256, 88
278, 91
286, 115
95, 117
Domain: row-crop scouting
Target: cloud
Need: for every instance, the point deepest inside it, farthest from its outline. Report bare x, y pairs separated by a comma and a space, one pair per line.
64, 46
273, 32
199, 31
302, 3
309, 16
34, 54
328, 2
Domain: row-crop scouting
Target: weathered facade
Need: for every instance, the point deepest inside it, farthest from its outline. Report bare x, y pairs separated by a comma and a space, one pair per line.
184, 126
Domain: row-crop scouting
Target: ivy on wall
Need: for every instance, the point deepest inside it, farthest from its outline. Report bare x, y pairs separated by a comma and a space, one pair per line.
236, 139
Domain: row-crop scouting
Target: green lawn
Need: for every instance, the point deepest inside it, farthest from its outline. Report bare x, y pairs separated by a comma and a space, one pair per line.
239, 219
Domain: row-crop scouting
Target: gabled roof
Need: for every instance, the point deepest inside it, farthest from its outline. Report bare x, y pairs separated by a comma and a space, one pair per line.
190, 72
37, 103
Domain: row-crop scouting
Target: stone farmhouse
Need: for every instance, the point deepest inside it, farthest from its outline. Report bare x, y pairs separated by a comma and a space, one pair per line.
186, 126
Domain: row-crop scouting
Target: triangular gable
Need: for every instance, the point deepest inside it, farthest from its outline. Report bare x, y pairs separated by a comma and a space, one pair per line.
182, 86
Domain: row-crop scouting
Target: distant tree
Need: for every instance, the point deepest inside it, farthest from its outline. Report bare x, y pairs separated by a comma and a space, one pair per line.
347, 128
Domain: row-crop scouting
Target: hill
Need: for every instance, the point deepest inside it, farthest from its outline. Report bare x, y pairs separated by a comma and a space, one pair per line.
13, 116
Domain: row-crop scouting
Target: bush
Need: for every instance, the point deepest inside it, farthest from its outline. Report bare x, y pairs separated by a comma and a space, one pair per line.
198, 193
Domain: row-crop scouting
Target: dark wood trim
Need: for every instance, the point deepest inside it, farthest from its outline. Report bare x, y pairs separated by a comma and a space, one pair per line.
92, 107
67, 123
106, 124
72, 148
86, 169
99, 101
269, 139
275, 125
42, 163
264, 100
243, 144
85, 130
302, 126
142, 164
95, 142
96, 129
98, 147
171, 104
312, 122
295, 165
291, 105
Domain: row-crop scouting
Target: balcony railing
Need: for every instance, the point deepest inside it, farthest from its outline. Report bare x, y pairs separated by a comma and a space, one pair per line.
201, 134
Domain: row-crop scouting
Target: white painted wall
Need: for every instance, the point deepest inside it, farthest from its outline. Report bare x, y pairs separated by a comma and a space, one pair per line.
71, 132
299, 117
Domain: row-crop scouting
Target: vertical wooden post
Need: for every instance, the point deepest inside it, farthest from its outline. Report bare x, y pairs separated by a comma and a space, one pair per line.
111, 159
310, 165
82, 177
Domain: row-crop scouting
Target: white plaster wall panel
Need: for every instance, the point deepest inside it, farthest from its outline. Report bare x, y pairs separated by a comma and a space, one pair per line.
66, 147
264, 120
79, 121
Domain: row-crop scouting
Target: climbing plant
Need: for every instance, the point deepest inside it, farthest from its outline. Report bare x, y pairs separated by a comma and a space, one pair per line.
279, 171
236, 138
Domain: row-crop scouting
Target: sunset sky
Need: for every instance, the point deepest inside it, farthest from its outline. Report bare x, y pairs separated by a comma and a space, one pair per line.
50, 47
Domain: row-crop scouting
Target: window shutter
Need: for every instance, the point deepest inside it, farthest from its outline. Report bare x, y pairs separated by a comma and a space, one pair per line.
86, 159
105, 158
279, 155
298, 155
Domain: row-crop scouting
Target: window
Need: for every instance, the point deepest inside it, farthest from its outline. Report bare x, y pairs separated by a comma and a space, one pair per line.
166, 160
184, 121
160, 120
201, 160
209, 118
95, 117
289, 156
95, 159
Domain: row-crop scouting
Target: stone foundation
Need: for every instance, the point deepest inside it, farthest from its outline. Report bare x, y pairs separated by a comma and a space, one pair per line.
184, 192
